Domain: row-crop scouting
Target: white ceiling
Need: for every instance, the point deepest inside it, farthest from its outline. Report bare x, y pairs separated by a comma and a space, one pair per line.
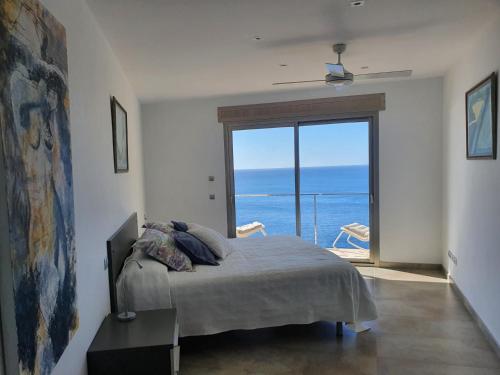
190, 48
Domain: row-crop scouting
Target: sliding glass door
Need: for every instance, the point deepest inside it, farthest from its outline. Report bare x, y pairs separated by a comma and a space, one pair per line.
314, 180
335, 186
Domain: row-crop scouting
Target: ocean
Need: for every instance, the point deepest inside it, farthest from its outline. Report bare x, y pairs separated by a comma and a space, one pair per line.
348, 204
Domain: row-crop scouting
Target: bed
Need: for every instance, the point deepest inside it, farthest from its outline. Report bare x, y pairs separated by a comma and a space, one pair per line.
265, 282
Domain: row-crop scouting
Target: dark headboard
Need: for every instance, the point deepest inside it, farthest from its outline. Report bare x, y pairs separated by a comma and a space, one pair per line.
119, 246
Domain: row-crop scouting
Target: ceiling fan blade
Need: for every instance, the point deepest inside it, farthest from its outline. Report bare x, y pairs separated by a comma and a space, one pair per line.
336, 70
379, 75
295, 82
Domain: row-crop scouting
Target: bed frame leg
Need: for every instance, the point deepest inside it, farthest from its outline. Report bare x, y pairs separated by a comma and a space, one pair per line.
340, 329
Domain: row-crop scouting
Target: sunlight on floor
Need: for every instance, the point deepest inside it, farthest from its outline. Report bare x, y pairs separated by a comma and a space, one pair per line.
351, 253
428, 276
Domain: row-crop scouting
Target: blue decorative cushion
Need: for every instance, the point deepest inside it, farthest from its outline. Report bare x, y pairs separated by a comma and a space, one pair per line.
180, 226
197, 251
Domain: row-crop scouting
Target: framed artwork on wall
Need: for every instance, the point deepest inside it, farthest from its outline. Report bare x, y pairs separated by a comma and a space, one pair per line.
120, 136
481, 119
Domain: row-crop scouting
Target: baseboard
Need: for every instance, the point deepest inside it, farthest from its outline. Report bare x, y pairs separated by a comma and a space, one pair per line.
489, 337
415, 266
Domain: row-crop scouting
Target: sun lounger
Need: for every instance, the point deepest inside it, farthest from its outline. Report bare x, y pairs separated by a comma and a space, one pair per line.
359, 231
249, 229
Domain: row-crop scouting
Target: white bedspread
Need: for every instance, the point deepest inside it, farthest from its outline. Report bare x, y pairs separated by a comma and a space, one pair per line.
266, 282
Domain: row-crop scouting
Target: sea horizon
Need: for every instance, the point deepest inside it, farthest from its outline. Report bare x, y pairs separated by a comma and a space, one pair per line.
343, 198
292, 167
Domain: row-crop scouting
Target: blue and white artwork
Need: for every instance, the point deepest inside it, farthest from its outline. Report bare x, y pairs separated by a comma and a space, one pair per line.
35, 135
481, 120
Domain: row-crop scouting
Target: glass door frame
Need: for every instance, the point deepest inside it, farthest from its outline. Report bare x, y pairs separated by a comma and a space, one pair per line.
371, 118
230, 189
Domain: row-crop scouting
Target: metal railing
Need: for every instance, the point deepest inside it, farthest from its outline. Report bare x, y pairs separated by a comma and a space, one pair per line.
315, 208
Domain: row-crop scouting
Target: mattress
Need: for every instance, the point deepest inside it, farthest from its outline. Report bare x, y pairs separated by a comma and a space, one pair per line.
265, 282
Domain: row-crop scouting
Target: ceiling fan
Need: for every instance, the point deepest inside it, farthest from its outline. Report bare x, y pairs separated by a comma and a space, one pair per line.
339, 76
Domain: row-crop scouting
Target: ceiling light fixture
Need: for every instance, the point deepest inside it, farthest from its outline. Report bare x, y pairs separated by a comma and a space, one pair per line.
357, 3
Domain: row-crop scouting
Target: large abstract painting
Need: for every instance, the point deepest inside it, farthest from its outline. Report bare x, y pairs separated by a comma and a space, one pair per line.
35, 135
481, 104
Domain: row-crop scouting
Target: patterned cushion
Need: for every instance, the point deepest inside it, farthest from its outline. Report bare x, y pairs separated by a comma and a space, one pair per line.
160, 225
161, 246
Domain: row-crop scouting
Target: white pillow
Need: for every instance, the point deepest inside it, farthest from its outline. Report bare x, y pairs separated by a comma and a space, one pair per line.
219, 244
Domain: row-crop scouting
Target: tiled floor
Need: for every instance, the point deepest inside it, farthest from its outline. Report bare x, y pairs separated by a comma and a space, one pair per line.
422, 329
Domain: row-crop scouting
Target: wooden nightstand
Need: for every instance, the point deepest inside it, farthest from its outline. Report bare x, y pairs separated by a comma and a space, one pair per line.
146, 345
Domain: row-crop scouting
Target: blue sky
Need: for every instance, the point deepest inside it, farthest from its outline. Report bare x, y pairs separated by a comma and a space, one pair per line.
320, 145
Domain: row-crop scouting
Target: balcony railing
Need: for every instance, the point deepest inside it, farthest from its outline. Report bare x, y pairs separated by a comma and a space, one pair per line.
315, 204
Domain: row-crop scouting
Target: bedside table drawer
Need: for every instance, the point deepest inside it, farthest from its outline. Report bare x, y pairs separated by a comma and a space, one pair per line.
137, 361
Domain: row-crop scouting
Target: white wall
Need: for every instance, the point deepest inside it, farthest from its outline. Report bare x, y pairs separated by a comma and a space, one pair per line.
471, 209
103, 199
183, 145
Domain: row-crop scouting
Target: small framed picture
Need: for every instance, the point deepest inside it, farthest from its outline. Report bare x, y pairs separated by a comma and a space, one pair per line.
481, 115
120, 136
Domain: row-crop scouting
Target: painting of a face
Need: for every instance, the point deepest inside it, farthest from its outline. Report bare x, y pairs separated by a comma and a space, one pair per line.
481, 120
35, 135
120, 140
